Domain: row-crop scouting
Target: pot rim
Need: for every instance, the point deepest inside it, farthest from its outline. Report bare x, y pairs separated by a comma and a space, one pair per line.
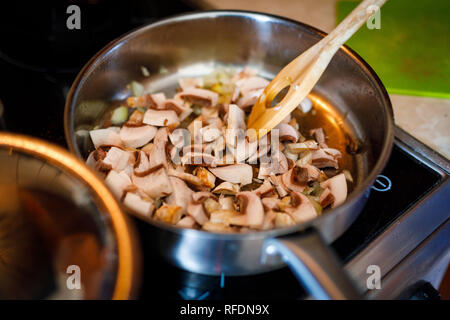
128, 259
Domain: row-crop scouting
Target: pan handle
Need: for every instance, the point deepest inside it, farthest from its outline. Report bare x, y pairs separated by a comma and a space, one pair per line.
313, 263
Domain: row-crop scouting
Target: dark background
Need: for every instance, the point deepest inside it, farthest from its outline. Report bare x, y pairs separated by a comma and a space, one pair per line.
40, 57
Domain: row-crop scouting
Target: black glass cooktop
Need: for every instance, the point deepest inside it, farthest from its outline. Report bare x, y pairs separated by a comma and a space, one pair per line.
32, 94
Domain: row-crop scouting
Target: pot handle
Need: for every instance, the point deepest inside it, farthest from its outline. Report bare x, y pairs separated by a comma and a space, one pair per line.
313, 263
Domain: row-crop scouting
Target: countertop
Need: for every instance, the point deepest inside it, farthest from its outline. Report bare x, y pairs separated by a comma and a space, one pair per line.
427, 119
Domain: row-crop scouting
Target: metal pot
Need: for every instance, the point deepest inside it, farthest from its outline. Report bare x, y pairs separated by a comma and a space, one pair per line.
57, 220
193, 45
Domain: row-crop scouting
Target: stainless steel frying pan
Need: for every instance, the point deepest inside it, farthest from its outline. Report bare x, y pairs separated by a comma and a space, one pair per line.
193, 45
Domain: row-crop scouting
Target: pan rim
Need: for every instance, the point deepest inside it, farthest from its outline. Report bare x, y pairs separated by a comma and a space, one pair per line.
352, 198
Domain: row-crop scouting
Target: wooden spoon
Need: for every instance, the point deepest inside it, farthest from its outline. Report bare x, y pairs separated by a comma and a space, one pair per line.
302, 73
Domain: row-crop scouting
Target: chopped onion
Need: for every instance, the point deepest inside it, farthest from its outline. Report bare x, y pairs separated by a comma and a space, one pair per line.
145, 71
119, 115
137, 89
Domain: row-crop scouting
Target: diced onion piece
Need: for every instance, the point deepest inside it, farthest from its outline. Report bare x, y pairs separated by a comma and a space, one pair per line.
306, 105
119, 115
137, 89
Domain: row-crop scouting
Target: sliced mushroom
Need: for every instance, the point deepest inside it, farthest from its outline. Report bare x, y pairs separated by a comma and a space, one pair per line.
250, 84
215, 122
251, 206
141, 164
186, 222
179, 137
269, 220
158, 154
160, 118
181, 194
249, 99
302, 146
135, 119
117, 182
333, 152
226, 203
147, 148
134, 202
202, 97
136, 137
210, 133
106, 137
276, 181
278, 164
229, 217
153, 101
291, 180
338, 188
319, 135
157, 100
283, 220
270, 203
264, 189
169, 213
189, 178
206, 177
211, 205
197, 211
199, 159
181, 110
287, 132
156, 183
321, 159
91, 161
202, 196
117, 158
326, 198
139, 101
302, 209
210, 112
235, 122
307, 173
306, 158
227, 188
236, 173
217, 227
291, 156
198, 148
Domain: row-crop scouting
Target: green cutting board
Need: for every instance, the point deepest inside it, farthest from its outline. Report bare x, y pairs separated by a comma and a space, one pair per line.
410, 52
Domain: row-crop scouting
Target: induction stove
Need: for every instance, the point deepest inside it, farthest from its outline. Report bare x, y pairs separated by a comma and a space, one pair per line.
404, 225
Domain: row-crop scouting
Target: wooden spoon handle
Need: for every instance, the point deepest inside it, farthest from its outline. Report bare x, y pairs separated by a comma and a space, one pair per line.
351, 24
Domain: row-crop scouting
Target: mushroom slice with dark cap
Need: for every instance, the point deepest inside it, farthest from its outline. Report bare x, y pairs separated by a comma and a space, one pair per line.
322, 159
291, 180
338, 188
301, 209
264, 190
202, 97
251, 206
117, 158
287, 132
